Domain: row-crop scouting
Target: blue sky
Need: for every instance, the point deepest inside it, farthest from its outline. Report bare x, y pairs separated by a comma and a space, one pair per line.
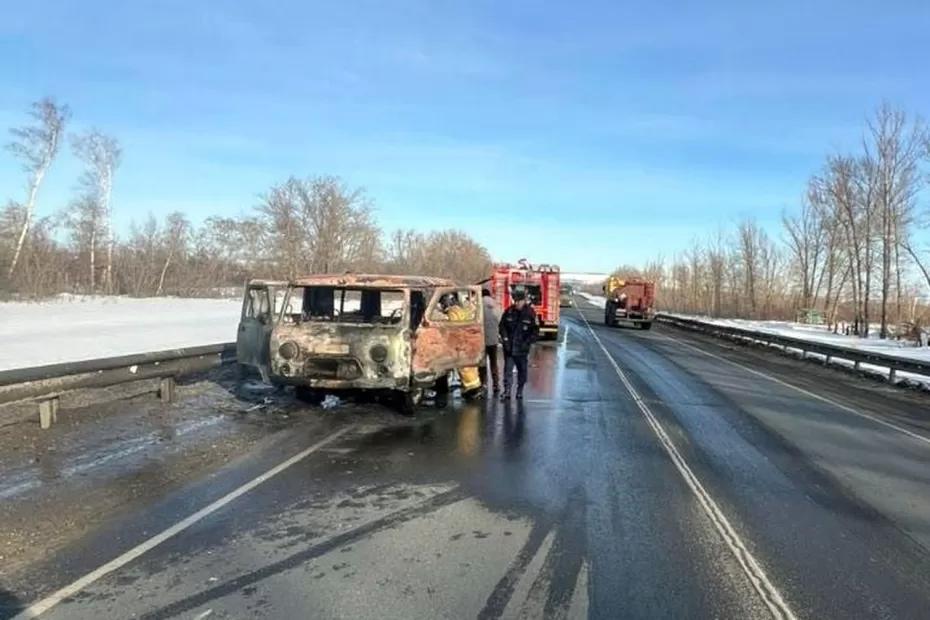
588, 134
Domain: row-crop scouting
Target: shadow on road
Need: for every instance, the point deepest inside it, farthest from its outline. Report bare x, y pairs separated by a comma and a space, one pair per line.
10, 604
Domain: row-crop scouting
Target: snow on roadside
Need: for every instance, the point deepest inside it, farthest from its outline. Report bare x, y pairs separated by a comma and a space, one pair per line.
820, 334
595, 300
72, 328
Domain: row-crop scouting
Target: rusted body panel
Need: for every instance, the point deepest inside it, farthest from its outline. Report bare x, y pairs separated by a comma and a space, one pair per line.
372, 281
441, 346
259, 309
337, 356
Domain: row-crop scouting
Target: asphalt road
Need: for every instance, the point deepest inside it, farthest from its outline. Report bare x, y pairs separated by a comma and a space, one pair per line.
647, 474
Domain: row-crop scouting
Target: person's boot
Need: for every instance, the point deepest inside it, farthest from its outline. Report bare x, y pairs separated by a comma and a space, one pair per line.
505, 395
520, 393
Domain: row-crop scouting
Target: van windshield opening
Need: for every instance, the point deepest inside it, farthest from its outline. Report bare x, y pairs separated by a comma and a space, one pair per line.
332, 304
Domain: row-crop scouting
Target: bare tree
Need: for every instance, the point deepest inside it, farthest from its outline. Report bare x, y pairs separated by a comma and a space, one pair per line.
36, 146
750, 239
101, 155
447, 253
806, 236
85, 223
893, 149
320, 224
175, 238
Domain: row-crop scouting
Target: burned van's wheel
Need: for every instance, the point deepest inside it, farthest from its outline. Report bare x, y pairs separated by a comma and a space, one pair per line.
310, 395
408, 401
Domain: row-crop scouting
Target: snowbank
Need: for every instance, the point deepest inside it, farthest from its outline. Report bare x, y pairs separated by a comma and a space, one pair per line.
71, 328
820, 334
595, 300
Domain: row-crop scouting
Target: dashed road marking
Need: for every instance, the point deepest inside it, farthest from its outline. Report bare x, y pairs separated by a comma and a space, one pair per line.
37, 609
801, 390
767, 591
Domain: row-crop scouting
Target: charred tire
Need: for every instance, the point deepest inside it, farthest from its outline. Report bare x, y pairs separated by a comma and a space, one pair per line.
407, 402
442, 390
309, 395
647, 325
242, 372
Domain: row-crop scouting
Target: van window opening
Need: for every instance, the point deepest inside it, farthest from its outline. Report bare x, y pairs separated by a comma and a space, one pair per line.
329, 304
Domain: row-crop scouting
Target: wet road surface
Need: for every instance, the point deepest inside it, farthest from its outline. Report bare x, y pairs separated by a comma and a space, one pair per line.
647, 474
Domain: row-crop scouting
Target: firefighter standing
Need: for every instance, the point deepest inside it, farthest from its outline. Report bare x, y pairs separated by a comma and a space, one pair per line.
518, 331
455, 311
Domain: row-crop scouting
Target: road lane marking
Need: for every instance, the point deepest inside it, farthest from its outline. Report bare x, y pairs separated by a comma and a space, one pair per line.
819, 397
37, 609
519, 600
578, 610
767, 591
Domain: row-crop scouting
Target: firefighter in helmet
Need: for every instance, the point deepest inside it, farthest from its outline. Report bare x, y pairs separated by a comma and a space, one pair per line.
456, 311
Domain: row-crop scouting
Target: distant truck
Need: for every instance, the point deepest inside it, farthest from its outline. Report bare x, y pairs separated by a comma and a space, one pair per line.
542, 286
629, 301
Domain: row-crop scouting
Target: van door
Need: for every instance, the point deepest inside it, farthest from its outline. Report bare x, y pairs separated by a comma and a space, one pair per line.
255, 325
451, 335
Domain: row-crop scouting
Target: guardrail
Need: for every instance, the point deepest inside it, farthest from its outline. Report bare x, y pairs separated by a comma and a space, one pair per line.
45, 384
829, 352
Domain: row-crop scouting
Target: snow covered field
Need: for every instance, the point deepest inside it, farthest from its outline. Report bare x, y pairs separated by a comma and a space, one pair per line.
71, 328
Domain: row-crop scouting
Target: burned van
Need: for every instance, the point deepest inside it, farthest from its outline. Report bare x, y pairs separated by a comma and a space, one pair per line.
397, 335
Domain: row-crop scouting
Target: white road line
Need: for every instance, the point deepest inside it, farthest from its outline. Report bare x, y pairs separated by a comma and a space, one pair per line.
819, 397
40, 607
519, 601
767, 591
578, 610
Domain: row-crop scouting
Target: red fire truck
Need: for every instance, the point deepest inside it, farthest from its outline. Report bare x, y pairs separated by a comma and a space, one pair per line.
541, 283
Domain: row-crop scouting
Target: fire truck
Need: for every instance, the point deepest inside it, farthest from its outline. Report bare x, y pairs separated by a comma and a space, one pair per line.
630, 301
541, 283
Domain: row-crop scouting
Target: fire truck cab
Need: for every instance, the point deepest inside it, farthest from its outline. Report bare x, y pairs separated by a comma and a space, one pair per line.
541, 283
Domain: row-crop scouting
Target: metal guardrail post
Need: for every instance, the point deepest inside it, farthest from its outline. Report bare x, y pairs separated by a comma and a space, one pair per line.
48, 412
166, 387
46, 384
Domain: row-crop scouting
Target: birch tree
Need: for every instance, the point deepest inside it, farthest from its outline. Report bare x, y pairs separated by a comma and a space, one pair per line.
36, 147
175, 237
85, 220
101, 155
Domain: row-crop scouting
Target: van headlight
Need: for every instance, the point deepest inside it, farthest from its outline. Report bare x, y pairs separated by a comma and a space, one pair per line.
378, 353
289, 350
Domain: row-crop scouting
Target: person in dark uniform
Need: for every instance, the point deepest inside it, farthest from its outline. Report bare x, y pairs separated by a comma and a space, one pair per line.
518, 330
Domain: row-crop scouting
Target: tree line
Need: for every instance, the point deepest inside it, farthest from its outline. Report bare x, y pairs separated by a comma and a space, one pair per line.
299, 226
849, 254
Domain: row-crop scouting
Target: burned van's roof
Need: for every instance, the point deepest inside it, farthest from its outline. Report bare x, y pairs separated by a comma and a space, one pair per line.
369, 280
